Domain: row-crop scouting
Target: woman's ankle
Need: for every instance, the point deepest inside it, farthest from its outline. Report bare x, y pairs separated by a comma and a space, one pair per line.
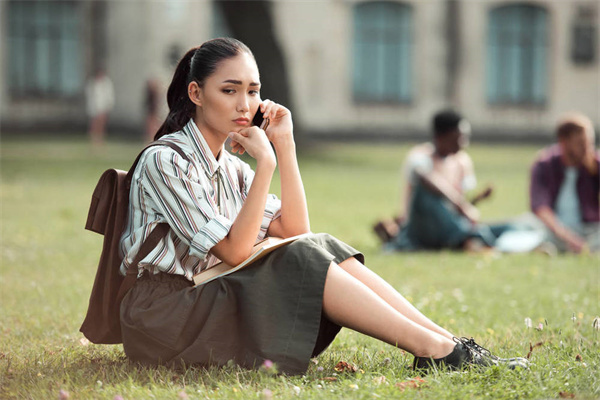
436, 350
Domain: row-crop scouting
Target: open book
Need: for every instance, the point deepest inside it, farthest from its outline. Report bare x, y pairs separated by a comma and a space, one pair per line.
260, 250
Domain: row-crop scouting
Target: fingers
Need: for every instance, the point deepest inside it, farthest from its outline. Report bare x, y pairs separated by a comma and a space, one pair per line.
236, 142
236, 147
249, 140
237, 138
272, 110
266, 107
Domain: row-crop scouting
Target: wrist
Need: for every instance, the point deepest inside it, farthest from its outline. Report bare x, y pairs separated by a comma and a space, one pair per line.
284, 142
268, 162
560, 231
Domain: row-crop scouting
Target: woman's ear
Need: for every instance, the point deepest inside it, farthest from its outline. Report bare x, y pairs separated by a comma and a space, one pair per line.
194, 93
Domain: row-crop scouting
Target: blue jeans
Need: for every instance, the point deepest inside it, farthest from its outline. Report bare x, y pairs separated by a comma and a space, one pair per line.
433, 223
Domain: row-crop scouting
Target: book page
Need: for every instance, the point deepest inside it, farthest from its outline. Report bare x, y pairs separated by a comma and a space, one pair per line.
261, 249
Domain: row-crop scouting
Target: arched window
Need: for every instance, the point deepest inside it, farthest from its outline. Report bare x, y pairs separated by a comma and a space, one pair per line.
382, 52
517, 55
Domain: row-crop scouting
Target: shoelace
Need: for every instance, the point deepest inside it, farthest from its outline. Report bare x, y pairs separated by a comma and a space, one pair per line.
473, 347
477, 351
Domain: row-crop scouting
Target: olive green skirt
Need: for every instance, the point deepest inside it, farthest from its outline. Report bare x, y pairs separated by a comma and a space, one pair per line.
270, 310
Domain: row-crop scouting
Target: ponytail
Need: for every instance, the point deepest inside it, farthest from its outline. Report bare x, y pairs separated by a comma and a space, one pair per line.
196, 65
181, 108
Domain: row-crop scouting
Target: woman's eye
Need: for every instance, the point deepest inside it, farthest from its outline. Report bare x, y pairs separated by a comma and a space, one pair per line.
228, 91
254, 92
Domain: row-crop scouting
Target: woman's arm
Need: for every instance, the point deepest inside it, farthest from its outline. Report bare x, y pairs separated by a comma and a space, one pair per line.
238, 244
294, 218
437, 184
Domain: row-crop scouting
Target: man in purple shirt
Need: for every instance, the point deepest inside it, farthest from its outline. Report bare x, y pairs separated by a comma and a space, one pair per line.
565, 186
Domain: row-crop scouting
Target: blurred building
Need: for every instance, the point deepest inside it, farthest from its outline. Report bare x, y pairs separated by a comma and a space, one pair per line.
357, 68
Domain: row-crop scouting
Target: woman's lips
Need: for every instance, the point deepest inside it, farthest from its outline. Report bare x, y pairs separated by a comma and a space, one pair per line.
241, 121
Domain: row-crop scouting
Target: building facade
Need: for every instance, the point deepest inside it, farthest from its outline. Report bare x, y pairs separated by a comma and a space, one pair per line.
356, 68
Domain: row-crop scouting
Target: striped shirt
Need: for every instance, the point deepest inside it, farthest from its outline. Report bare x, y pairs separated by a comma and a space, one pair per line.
199, 200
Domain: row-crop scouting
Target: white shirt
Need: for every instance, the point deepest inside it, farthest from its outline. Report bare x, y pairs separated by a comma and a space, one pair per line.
421, 159
100, 96
166, 188
568, 209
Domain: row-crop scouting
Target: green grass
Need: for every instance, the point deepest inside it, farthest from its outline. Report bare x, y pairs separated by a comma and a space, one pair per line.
48, 263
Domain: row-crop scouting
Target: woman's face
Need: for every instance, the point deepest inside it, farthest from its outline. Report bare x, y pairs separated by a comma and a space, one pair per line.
229, 97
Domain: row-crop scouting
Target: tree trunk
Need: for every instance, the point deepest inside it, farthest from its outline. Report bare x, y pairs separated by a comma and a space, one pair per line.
252, 23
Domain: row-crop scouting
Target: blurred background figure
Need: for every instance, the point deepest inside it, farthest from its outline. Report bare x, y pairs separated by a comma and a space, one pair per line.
151, 106
438, 175
100, 99
372, 78
565, 186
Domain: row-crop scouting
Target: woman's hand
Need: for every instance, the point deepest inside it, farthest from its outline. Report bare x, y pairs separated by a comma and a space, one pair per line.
254, 141
280, 127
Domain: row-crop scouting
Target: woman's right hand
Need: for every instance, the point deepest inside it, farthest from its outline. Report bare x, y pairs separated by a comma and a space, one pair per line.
254, 141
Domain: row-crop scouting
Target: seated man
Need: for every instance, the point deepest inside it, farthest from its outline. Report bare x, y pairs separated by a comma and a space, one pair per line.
437, 213
565, 187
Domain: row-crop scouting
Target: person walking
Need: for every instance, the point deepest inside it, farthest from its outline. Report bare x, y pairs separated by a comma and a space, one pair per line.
100, 100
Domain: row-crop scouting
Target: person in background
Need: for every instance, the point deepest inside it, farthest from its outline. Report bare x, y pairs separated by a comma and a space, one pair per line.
437, 212
565, 186
100, 99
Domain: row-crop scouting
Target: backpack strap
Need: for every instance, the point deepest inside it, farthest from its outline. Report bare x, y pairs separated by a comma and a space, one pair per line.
155, 143
149, 244
159, 232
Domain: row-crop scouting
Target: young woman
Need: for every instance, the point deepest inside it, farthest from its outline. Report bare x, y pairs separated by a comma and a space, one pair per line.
288, 306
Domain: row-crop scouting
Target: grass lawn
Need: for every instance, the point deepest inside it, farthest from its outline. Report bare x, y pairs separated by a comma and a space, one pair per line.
48, 262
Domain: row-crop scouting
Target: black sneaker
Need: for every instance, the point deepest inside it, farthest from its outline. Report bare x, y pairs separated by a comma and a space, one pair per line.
486, 358
460, 356
468, 352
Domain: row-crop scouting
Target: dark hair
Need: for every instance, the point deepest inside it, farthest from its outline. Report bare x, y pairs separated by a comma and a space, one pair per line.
567, 129
445, 122
573, 123
196, 65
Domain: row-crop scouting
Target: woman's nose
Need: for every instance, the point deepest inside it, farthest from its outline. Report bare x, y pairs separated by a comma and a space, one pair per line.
243, 104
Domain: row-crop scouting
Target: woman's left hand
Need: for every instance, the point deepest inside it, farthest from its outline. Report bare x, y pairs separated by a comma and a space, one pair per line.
280, 127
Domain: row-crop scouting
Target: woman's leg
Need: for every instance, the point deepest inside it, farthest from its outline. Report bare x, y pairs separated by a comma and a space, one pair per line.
350, 303
390, 295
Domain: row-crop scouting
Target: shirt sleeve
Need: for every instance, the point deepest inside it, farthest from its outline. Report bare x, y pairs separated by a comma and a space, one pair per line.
183, 202
417, 162
469, 181
539, 192
272, 207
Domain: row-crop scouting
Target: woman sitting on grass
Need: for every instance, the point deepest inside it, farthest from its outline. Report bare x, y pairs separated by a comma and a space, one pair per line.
288, 306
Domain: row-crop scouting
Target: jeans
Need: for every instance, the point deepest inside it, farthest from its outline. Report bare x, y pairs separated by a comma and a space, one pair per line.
433, 223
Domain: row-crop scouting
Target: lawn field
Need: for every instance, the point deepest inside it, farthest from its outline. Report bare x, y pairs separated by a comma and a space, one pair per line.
48, 262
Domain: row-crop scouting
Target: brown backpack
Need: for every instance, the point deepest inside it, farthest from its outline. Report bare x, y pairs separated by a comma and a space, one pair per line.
107, 216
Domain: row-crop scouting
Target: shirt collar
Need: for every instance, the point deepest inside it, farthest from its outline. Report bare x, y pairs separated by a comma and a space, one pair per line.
208, 160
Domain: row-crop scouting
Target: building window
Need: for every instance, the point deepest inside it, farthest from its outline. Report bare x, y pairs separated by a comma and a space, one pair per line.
583, 36
382, 52
517, 55
44, 49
